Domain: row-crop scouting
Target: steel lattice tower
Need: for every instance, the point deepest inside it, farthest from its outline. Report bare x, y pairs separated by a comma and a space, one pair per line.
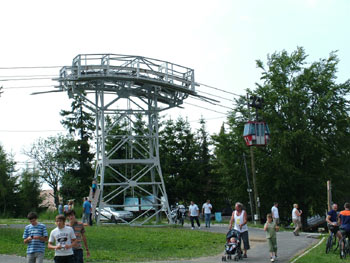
128, 87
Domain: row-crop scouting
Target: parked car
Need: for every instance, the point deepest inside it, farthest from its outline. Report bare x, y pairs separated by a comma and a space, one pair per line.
111, 214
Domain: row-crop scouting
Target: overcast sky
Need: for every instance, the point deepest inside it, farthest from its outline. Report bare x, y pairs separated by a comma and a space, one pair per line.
219, 39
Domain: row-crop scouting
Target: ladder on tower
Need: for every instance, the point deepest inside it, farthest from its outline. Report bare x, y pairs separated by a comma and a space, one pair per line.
94, 201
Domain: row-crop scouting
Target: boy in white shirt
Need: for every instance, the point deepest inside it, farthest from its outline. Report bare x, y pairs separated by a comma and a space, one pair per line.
65, 239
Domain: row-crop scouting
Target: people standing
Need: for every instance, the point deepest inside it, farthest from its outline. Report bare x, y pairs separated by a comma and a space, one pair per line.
275, 214
332, 220
35, 235
94, 187
239, 219
65, 208
60, 209
86, 211
70, 205
79, 232
65, 239
344, 222
193, 213
271, 228
296, 217
206, 211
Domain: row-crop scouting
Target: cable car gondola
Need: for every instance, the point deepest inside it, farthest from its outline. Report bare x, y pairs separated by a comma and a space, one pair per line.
256, 133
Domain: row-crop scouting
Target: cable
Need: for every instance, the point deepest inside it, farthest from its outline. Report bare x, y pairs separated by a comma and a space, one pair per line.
213, 103
215, 96
30, 87
209, 119
204, 108
25, 76
32, 131
31, 67
23, 79
201, 84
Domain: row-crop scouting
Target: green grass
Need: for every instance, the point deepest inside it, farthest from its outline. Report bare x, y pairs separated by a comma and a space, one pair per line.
318, 255
131, 244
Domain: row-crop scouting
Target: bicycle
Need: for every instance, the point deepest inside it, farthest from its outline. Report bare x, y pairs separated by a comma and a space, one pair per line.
331, 241
344, 246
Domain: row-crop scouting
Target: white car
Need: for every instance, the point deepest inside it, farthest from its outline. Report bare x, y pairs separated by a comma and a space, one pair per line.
110, 214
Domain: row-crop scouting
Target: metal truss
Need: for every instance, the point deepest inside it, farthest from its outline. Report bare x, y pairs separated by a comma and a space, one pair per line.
132, 89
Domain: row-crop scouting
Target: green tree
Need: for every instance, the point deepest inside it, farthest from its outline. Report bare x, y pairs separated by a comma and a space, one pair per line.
80, 124
179, 161
8, 185
308, 115
55, 157
29, 192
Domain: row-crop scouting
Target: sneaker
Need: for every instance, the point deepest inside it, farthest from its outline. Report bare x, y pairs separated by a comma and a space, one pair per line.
272, 260
244, 255
295, 234
192, 228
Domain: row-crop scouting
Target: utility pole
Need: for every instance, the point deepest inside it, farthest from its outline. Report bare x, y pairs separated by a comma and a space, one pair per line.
256, 103
249, 190
256, 195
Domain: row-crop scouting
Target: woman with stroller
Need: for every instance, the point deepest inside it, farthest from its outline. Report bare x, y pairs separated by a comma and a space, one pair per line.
239, 219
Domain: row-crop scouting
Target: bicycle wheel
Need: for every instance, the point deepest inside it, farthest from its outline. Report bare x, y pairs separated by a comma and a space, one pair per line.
329, 243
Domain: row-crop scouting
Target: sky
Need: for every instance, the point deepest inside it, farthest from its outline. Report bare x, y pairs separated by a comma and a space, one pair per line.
221, 40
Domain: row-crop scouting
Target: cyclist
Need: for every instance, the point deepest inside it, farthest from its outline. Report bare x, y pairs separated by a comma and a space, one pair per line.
332, 220
344, 222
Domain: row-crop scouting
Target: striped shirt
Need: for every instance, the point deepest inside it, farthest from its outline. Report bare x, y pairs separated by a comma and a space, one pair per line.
79, 229
35, 245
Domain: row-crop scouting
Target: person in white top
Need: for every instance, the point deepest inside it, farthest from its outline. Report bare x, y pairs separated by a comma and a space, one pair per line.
275, 215
206, 211
193, 213
65, 239
296, 217
239, 218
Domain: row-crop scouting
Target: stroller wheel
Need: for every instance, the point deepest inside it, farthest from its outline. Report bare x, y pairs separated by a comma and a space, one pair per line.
229, 257
223, 258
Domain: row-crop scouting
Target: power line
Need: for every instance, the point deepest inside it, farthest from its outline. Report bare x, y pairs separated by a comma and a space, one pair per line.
228, 92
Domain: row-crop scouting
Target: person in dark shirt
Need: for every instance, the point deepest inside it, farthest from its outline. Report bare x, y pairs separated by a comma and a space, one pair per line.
344, 221
332, 220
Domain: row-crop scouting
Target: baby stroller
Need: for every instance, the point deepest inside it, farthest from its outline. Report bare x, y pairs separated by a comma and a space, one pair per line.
232, 246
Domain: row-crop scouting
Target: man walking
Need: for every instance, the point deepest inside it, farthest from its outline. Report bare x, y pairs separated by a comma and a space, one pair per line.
35, 235
79, 232
86, 211
296, 217
206, 211
275, 215
193, 212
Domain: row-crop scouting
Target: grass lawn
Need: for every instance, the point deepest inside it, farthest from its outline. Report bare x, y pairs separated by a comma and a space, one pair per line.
131, 244
318, 255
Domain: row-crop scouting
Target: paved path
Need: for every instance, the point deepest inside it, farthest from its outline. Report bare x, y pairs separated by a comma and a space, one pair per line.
288, 246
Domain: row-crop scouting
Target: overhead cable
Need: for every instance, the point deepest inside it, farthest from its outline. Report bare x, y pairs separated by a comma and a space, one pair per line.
228, 92
204, 108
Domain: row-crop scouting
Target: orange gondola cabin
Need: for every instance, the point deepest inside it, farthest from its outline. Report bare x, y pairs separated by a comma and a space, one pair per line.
256, 133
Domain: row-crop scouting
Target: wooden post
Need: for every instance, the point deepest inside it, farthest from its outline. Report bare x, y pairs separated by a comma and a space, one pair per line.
329, 195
